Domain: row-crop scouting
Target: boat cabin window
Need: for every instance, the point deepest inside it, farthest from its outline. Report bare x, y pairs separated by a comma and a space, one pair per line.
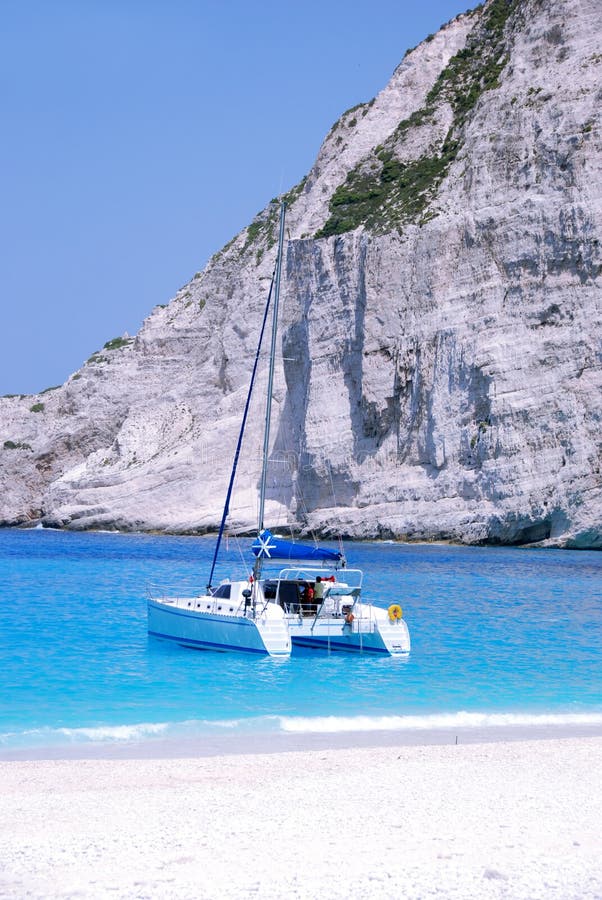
269, 589
289, 592
223, 591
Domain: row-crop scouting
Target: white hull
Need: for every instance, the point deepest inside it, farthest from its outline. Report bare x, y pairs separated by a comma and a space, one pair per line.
196, 622
371, 632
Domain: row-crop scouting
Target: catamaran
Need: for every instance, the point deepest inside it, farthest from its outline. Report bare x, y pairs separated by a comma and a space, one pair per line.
315, 602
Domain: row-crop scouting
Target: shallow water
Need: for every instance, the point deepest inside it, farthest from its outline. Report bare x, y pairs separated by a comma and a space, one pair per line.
499, 636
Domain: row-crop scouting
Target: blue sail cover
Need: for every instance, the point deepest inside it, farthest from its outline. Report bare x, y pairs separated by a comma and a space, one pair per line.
267, 546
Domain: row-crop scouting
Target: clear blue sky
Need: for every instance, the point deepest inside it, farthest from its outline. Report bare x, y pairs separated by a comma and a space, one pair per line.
139, 136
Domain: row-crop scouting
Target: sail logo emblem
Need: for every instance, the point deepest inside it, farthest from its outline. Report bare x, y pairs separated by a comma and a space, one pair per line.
264, 544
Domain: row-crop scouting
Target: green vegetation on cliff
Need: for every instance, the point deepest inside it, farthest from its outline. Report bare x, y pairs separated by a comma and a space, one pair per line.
385, 190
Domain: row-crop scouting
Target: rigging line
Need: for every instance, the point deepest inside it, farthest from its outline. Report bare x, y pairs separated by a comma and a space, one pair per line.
304, 508
270, 388
241, 554
240, 436
300, 496
334, 500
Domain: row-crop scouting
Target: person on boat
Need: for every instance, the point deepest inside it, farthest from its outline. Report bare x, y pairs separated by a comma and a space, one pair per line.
305, 597
319, 590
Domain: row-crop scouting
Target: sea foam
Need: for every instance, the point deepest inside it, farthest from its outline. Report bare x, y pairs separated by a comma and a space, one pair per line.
274, 724
42, 737
334, 724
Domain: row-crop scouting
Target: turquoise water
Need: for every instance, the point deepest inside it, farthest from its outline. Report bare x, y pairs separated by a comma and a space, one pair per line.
498, 636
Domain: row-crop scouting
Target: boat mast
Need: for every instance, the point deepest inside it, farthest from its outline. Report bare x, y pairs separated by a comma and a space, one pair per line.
268, 408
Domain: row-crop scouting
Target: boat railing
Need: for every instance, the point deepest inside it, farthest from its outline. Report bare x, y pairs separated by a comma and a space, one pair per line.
330, 610
351, 577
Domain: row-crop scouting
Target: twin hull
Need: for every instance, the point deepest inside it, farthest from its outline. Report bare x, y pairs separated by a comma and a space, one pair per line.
205, 623
372, 634
179, 620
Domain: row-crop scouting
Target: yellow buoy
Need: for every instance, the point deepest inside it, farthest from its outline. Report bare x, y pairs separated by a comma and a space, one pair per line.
395, 612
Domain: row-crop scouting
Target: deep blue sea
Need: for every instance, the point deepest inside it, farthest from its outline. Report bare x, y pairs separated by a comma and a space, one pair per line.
499, 636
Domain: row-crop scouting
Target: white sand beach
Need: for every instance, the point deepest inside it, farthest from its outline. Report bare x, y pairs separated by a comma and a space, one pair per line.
518, 819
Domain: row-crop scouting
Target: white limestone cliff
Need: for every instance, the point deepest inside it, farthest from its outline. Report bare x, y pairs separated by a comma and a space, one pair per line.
440, 366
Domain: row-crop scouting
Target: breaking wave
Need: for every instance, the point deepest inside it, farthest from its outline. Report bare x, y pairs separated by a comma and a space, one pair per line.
274, 724
334, 724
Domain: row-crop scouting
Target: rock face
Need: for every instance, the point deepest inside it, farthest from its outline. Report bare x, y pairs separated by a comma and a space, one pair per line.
440, 345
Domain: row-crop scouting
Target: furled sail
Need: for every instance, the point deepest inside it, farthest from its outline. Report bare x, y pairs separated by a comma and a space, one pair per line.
268, 546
